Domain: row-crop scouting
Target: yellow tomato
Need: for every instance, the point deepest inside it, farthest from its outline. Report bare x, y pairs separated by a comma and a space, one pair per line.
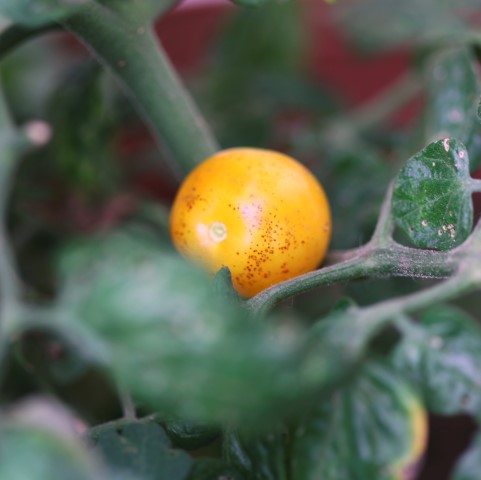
258, 212
408, 467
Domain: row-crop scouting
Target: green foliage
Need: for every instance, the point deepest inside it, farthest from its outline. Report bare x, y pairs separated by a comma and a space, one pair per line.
189, 436
222, 285
130, 297
264, 458
82, 120
365, 430
33, 13
441, 355
250, 3
452, 94
234, 389
260, 59
33, 453
209, 468
140, 450
136, 10
384, 24
470, 463
354, 204
431, 200
37, 12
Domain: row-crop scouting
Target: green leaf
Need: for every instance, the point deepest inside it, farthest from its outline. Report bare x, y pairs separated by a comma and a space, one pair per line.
83, 125
469, 466
431, 200
262, 458
211, 468
190, 436
33, 453
153, 321
259, 59
34, 13
355, 204
122, 38
474, 150
38, 12
373, 428
222, 286
140, 448
443, 359
337, 343
452, 96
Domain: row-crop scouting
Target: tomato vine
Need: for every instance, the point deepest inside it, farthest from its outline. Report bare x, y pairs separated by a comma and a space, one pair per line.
253, 378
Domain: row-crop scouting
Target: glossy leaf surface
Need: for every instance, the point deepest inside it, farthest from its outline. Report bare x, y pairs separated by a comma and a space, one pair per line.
140, 449
374, 428
190, 436
262, 458
443, 359
211, 468
431, 199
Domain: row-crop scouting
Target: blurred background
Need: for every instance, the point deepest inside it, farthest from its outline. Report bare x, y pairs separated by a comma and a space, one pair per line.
300, 77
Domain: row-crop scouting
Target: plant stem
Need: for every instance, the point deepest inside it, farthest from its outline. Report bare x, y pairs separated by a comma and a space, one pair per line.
380, 257
15, 35
475, 185
376, 316
128, 405
9, 283
364, 323
385, 223
381, 237
386, 103
395, 260
132, 53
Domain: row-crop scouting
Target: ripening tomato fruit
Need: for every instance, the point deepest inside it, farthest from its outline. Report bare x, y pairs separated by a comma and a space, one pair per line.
407, 467
258, 212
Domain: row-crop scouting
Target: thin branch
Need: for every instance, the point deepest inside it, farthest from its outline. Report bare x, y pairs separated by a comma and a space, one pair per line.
15, 35
386, 103
134, 56
10, 288
378, 315
370, 261
475, 185
128, 406
385, 224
